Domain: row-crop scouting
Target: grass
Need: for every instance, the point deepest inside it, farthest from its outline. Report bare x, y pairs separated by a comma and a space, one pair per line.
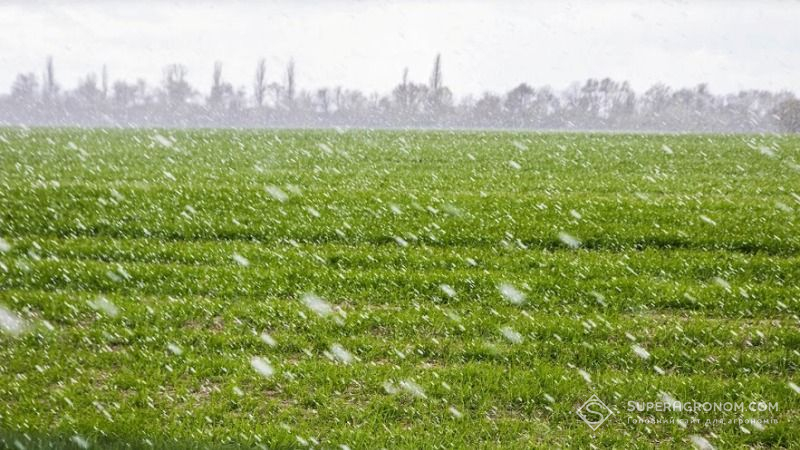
201, 242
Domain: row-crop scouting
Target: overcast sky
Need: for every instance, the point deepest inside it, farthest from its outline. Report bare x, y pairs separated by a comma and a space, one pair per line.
488, 45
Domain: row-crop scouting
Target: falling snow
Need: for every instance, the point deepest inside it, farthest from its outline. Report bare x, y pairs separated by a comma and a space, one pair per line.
700, 443
511, 293
11, 323
512, 335
277, 193
262, 366
105, 306
241, 260
569, 240
640, 351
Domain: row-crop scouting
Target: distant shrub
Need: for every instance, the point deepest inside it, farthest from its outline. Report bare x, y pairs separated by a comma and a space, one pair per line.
788, 113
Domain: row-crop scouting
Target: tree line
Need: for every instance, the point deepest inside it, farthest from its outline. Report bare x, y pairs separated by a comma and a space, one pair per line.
596, 104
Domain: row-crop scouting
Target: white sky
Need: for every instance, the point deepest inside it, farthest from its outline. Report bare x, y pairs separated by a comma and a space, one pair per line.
487, 45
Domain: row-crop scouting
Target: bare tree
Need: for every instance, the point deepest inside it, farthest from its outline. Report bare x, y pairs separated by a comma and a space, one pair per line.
338, 98
142, 95
23, 90
323, 100
409, 99
402, 92
88, 94
260, 86
290, 87
222, 94
215, 97
124, 94
176, 88
436, 75
518, 104
49, 86
788, 113
439, 97
104, 82
276, 93
488, 110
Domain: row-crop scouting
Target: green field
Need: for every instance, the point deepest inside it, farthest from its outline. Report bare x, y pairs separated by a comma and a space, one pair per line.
396, 289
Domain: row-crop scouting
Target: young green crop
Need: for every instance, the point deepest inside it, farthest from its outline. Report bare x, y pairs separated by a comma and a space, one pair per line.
395, 289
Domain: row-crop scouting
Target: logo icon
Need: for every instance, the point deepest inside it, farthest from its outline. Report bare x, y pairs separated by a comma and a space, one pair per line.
594, 412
